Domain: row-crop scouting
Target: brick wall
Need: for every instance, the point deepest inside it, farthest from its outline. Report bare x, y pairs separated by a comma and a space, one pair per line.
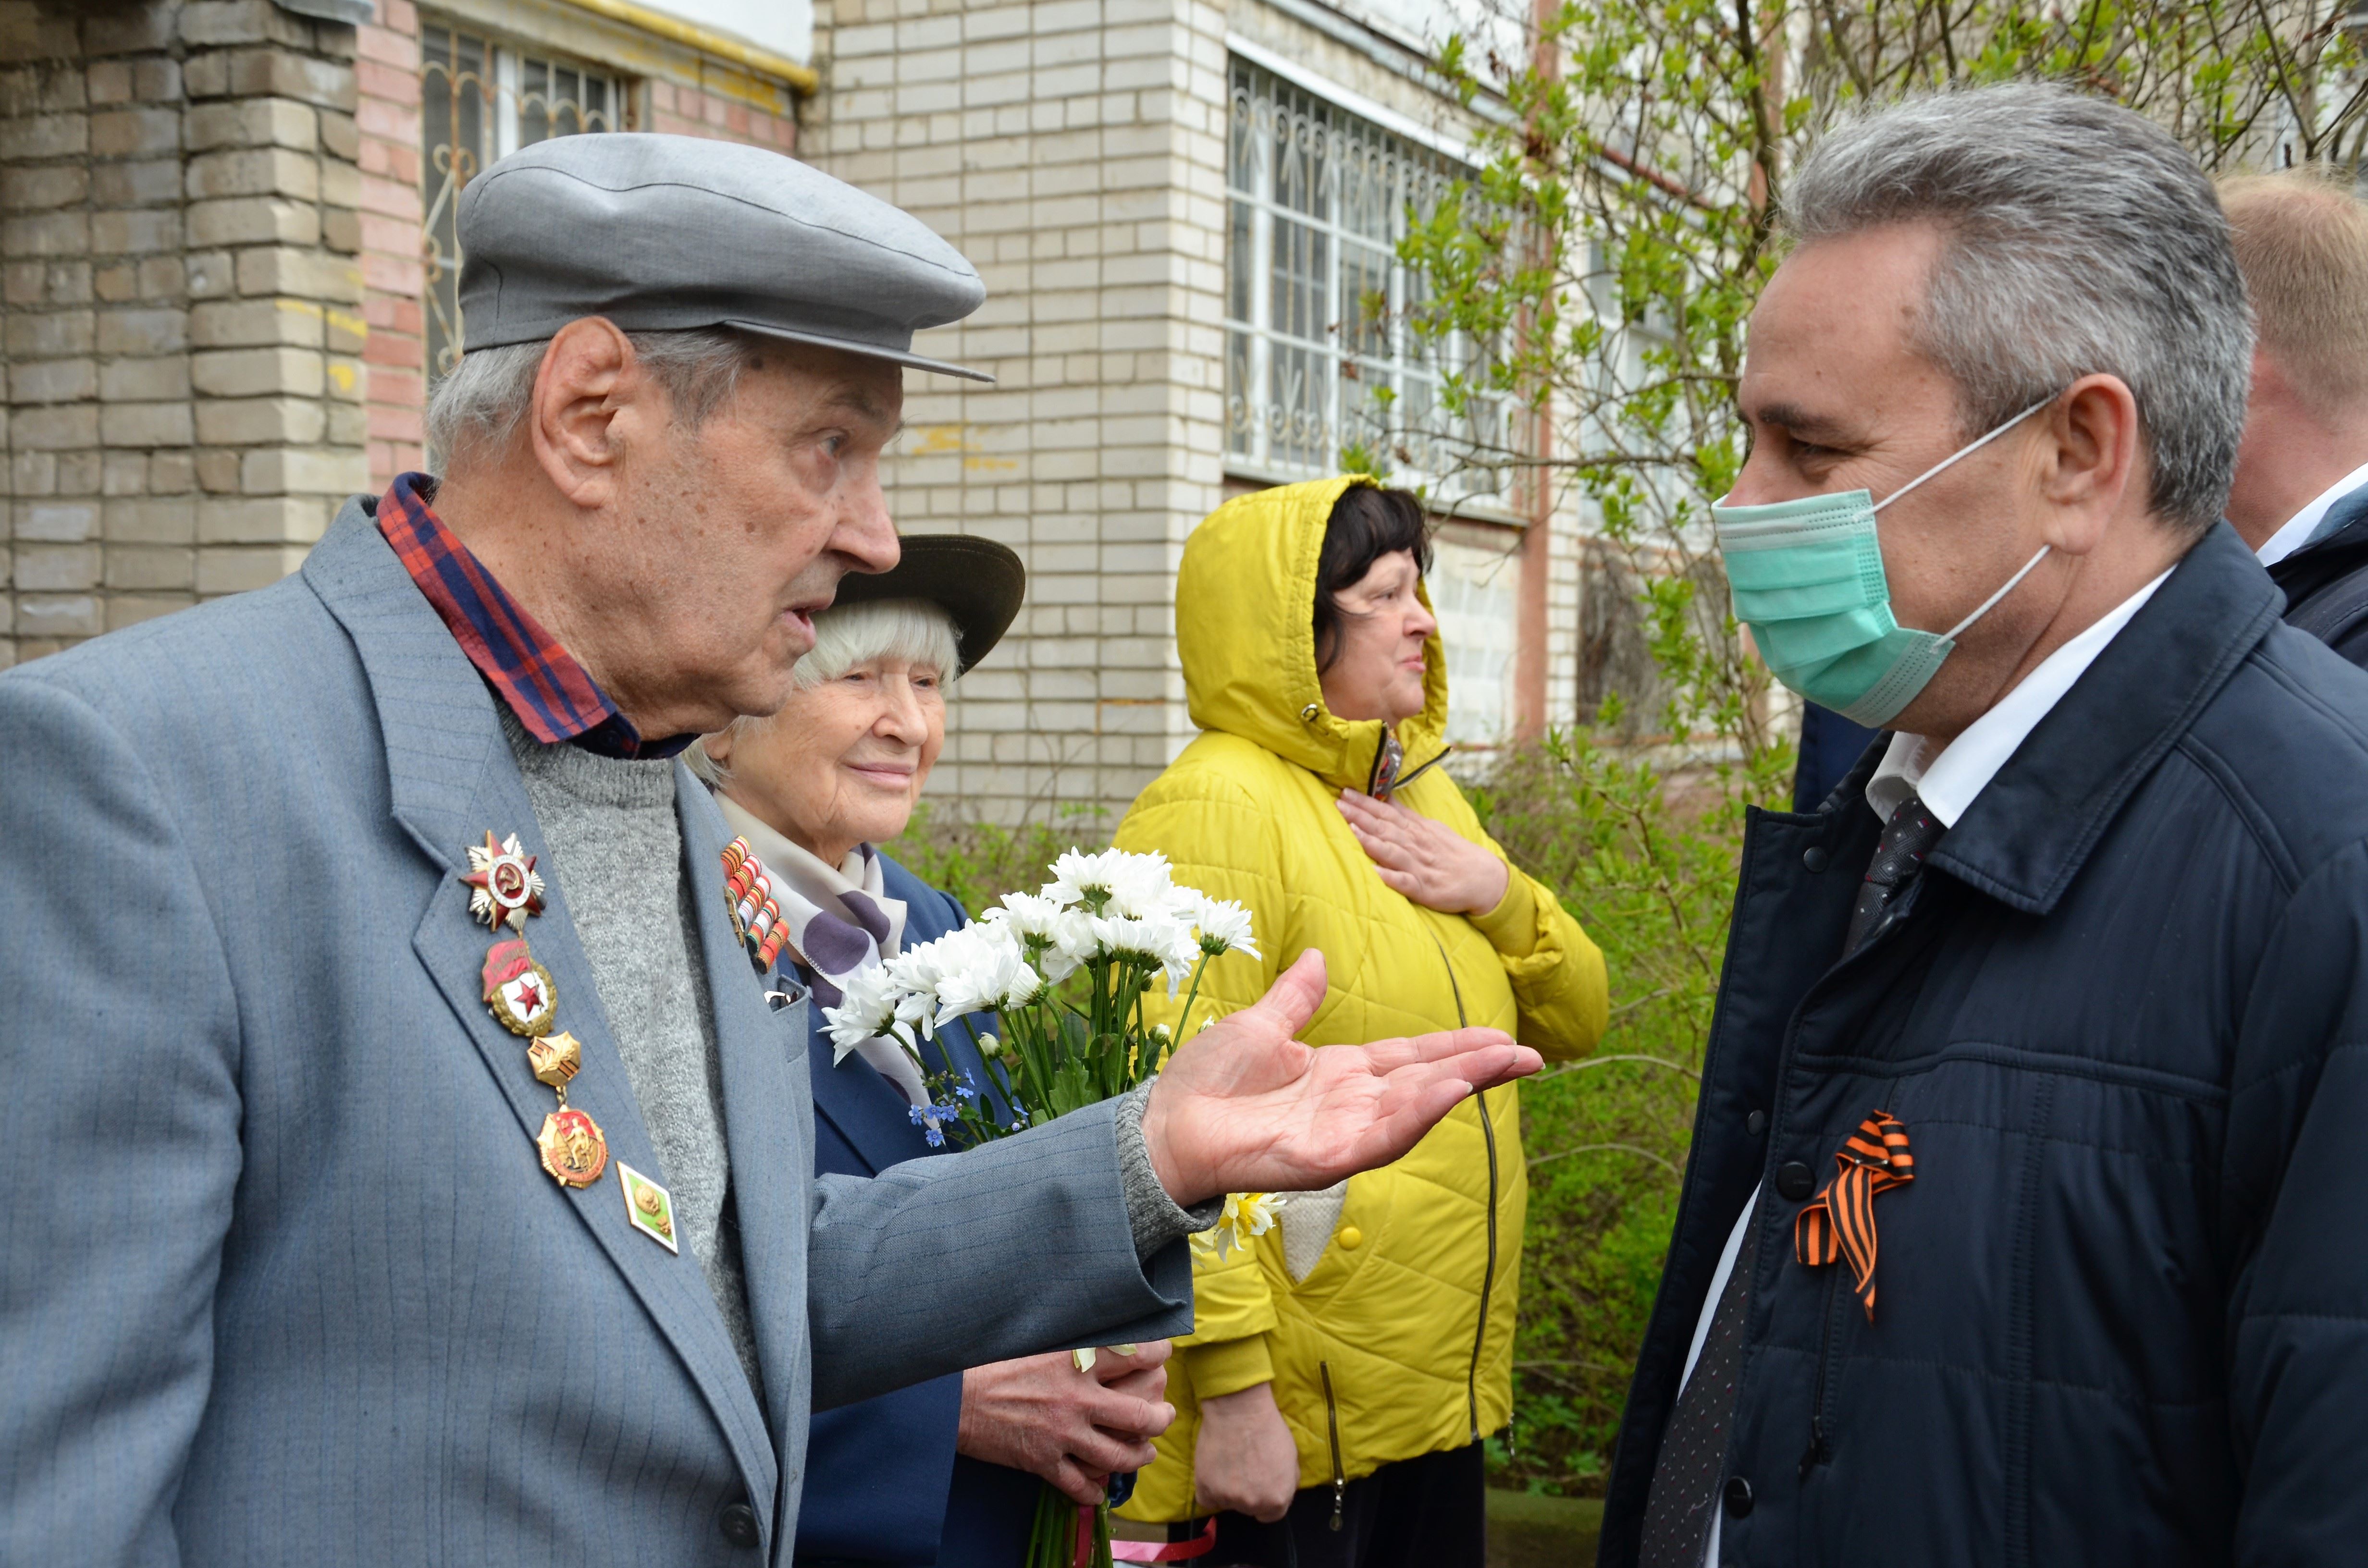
1074, 151
182, 331
212, 287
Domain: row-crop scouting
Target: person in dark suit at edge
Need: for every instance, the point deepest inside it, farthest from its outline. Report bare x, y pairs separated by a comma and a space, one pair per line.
2301, 494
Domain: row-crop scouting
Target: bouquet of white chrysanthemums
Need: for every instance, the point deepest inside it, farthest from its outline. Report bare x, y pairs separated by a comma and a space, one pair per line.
1067, 968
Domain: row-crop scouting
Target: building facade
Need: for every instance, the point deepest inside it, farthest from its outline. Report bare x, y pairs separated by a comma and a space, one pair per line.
229, 265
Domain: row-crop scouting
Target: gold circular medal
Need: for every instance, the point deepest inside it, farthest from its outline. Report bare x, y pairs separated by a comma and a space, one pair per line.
518, 990
574, 1150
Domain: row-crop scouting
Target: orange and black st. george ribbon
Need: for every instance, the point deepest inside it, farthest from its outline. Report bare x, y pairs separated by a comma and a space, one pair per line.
1839, 1222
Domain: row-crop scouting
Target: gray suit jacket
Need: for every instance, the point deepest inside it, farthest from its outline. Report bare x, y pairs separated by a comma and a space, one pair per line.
280, 1277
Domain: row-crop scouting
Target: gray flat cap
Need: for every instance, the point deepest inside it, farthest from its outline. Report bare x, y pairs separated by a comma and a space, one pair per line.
665, 233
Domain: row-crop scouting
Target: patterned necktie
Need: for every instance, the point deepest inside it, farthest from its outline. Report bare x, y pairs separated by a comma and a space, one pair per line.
1899, 855
1693, 1450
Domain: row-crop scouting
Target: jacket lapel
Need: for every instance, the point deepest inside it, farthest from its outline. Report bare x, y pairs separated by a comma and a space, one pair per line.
451, 778
770, 1138
2027, 835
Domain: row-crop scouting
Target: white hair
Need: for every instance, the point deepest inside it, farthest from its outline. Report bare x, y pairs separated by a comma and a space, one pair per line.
2079, 240
480, 405
914, 632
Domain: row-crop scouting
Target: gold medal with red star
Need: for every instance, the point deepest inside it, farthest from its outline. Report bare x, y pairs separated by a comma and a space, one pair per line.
518, 990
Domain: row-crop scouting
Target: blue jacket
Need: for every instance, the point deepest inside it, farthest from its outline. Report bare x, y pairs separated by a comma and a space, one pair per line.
2121, 1310
884, 1483
1830, 747
2321, 576
281, 1279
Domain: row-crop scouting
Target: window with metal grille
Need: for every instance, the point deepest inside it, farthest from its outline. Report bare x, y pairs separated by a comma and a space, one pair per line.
482, 101
1319, 357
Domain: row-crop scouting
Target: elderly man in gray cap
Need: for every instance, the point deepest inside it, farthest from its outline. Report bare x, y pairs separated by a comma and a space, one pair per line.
356, 927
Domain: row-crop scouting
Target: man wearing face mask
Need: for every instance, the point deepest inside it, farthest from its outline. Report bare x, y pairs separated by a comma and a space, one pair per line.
2019, 1226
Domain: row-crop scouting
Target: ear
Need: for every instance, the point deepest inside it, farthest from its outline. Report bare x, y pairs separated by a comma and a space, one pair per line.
2091, 453
590, 399
717, 745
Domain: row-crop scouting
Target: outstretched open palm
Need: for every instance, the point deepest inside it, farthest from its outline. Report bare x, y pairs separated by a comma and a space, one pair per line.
1242, 1106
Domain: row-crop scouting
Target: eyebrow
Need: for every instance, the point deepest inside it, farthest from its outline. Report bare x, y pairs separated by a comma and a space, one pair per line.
858, 401
1818, 428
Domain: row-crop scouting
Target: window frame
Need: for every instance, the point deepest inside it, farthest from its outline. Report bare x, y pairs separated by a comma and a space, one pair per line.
498, 80
1267, 437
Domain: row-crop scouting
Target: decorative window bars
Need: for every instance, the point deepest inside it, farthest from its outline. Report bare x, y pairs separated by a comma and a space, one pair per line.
482, 101
1319, 355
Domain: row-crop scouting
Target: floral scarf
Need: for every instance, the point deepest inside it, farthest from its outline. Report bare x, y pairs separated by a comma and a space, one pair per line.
841, 922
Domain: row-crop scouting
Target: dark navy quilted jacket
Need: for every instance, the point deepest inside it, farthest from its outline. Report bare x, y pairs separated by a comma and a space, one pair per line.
2123, 1308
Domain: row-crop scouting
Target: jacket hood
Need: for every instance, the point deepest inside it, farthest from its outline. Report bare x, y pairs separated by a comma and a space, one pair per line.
1245, 634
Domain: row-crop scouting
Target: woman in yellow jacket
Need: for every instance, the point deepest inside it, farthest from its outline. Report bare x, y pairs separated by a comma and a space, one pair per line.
1343, 1369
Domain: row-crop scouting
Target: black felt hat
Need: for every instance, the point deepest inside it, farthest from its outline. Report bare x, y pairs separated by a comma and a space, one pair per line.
978, 583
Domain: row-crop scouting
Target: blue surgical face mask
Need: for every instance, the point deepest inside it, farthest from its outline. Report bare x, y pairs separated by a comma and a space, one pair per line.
1808, 578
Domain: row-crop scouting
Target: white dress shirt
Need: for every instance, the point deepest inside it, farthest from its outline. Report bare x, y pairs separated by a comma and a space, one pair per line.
2297, 529
1946, 780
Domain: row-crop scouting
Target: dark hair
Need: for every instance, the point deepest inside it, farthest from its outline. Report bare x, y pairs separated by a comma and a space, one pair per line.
1367, 523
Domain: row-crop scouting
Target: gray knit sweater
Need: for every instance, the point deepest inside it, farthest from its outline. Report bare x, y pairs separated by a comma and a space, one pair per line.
616, 855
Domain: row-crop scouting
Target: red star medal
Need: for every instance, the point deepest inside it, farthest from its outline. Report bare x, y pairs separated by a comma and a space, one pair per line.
517, 989
504, 888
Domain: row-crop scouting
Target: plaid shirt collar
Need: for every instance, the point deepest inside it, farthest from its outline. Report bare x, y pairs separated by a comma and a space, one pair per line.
555, 696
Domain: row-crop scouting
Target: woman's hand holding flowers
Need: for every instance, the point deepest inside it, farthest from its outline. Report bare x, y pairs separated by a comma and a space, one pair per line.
1041, 1413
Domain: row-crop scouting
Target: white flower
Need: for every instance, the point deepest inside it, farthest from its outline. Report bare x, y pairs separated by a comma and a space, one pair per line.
1162, 941
917, 1012
868, 1008
989, 1047
1247, 1216
992, 975
1114, 882
1073, 943
1225, 927
1031, 916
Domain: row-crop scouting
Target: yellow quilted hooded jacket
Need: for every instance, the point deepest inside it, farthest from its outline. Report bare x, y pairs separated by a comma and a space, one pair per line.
1398, 1342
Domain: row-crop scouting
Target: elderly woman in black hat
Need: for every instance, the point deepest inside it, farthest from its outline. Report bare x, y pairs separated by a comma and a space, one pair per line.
942, 1473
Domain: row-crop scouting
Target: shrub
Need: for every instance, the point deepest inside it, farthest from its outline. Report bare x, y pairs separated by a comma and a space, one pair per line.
1645, 861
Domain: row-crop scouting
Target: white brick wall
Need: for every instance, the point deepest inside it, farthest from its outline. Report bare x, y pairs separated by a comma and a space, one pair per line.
1073, 150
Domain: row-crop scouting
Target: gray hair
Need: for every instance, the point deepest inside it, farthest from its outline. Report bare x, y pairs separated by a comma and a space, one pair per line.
914, 630
2081, 239
480, 403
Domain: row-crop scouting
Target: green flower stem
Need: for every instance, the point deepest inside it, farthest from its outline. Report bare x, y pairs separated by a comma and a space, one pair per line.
1189, 998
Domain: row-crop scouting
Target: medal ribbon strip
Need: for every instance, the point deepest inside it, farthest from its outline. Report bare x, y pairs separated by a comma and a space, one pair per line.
1840, 1220
756, 915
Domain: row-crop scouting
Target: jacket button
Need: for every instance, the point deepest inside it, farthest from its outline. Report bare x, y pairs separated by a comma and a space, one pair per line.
738, 1523
1813, 859
1739, 1497
1794, 1181
1756, 1123
1350, 1237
